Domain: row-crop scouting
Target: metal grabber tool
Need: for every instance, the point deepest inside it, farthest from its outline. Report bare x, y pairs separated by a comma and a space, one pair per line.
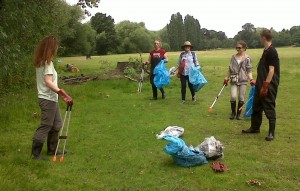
64, 129
212, 105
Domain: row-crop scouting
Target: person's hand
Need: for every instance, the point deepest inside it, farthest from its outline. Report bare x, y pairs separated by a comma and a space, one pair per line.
226, 80
265, 89
252, 82
65, 97
146, 63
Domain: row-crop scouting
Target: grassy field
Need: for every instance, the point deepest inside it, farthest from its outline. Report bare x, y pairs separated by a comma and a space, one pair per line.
112, 144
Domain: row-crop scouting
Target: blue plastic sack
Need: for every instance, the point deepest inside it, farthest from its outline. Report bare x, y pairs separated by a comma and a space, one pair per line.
196, 78
248, 110
162, 76
182, 154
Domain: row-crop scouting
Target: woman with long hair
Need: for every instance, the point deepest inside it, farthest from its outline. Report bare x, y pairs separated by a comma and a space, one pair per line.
239, 72
48, 91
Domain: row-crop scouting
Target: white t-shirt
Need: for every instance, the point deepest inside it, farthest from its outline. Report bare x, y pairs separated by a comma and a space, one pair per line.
189, 61
43, 91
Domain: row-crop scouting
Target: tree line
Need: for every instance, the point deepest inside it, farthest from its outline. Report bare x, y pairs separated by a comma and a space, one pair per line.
24, 22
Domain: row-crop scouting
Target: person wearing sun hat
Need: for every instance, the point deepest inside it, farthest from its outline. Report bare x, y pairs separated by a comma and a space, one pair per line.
186, 59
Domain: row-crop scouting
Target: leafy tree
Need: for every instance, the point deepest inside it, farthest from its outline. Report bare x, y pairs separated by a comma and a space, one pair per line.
249, 34
133, 37
88, 3
176, 32
22, 25
82, 43
192, 30
296, 38
106, 34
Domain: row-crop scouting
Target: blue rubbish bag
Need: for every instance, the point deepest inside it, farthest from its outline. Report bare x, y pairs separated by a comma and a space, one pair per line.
162, 76
248, 110
196, 78
182, 154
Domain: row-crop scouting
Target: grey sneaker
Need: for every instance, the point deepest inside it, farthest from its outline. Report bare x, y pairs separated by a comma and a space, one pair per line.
194, 98
183, 102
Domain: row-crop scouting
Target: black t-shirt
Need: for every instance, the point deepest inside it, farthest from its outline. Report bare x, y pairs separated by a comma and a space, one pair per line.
268, 58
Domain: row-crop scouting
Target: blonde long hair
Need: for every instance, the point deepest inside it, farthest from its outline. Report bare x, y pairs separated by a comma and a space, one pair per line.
45, 51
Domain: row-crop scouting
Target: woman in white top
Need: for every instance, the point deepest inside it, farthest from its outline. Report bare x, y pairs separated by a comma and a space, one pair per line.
239, 72
186, 59
48, 91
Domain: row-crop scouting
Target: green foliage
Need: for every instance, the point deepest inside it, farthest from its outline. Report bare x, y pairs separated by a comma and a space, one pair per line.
77, 38
23, 24
193, 31
179, 31
106, 34
296, 38
133, 37
176, 32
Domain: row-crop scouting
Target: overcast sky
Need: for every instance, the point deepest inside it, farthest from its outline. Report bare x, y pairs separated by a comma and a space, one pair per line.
221, 15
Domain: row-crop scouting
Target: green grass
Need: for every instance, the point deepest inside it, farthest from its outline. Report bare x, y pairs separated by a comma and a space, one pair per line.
112, 144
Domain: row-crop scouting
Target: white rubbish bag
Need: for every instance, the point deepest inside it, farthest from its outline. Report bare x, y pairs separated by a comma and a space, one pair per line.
212, 148
171, 130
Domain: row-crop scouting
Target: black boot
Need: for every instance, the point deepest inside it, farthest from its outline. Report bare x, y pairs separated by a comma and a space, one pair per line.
239, 111
233, 113
36, 151
52, 141
163, 94
271, 135
251, 130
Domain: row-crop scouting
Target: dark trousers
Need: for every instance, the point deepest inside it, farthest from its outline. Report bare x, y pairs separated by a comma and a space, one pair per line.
51, 122
183, 80
260, 104
154, 88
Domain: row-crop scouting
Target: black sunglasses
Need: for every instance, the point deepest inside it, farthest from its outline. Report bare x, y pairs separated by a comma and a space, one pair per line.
238, 48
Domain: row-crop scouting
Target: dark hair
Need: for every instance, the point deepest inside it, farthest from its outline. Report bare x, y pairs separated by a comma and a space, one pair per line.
267, 34
243, 43
45, 51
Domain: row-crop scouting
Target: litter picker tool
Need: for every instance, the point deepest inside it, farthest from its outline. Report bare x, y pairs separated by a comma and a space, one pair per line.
65, 136
240, 109
212, 105
247, 112
141, 77
141, 80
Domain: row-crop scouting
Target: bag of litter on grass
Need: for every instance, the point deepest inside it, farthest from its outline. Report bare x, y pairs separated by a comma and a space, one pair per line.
212, 148
182, 154
171, 130
162, 76
196, 78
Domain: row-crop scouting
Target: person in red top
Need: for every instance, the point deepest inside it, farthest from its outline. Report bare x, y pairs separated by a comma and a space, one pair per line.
154, 58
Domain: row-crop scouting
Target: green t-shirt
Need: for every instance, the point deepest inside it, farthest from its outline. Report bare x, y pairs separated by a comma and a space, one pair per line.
43, 91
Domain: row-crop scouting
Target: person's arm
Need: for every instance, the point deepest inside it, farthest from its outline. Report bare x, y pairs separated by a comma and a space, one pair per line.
270, 74
196, 60
250, 77
265, 87
148, 61
166, 57
49, 83
227, 78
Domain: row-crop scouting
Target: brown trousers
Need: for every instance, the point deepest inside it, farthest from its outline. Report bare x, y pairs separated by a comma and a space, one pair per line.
50, 120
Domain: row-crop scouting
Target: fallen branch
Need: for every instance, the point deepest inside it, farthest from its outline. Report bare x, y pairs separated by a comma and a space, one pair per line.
129, 78
77, 79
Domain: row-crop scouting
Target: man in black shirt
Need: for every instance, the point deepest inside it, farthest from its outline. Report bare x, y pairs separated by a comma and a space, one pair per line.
267, 82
